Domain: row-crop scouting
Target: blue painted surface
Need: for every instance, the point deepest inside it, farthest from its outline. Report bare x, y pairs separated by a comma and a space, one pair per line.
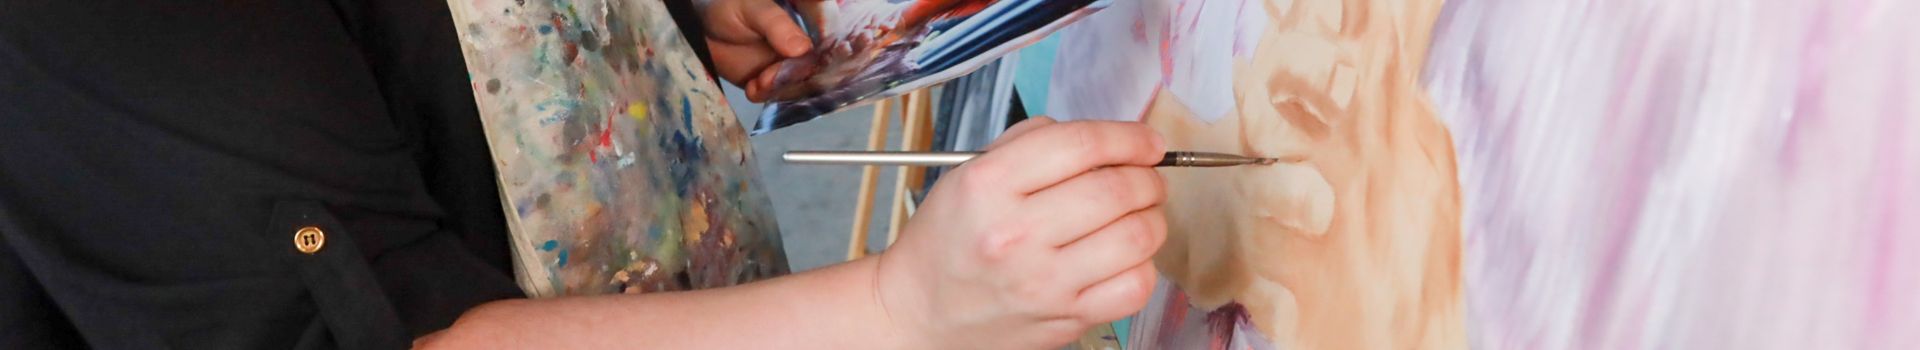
1033, 70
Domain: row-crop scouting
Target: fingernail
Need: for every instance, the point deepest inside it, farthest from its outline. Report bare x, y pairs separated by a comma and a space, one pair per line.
801, 48
766, 80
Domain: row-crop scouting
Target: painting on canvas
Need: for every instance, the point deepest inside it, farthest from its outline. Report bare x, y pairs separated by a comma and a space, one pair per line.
1354, 246
871, 49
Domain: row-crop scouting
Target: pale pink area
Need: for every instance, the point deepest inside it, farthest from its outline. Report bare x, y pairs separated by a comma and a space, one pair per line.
1710, 174
1191, 43
1100, 76
1197, 53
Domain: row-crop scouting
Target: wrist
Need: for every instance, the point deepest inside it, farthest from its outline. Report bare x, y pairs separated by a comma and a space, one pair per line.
891, 293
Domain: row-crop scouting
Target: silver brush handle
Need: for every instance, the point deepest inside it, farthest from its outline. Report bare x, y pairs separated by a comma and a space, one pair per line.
1172, 159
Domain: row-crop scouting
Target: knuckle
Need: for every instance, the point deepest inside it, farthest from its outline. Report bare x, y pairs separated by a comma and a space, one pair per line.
1146, 186
1087, 139
998, 244
1136, 294
1131, 187
1156, 186
1150, 138
1156, 228
1141, 237
1116, 185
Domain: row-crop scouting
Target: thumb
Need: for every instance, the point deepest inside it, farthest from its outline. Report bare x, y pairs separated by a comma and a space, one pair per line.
776, 25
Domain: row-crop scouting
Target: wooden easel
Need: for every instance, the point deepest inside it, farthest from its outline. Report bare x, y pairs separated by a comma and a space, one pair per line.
916, 135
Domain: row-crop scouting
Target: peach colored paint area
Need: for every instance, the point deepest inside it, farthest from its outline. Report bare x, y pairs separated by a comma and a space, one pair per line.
1357, 246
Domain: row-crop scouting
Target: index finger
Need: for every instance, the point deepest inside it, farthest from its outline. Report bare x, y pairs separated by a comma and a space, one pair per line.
1019, 129
1050, 154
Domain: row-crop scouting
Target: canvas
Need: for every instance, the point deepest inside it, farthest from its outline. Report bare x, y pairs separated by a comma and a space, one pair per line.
1354, 243
621, 166
1632, 174
1706, 174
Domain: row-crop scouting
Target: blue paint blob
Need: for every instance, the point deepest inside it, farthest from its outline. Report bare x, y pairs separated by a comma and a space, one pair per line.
563, 259
660, 100
546, 29
686, 149
686, 112
550, 245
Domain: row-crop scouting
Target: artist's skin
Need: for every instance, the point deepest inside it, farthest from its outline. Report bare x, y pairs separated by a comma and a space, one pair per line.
747, 37
1048, 234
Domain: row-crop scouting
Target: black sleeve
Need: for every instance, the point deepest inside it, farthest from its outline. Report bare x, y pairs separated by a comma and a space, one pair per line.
31, 321
159, 161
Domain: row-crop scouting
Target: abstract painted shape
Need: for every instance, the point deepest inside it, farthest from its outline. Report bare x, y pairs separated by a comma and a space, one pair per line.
610, 187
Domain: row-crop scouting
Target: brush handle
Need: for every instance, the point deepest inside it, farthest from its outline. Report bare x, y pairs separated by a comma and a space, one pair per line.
879, 158
1172, 159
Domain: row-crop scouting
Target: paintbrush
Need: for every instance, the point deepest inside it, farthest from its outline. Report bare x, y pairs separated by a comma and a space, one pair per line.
1172, 159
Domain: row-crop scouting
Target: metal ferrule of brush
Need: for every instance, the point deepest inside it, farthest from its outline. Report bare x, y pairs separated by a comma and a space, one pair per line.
1203, 159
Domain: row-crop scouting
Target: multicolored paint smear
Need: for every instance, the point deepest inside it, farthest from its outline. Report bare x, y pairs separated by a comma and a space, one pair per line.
622, 167
872, 49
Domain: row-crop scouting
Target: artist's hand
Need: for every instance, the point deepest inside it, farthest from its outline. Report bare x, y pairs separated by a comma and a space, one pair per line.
747, 38
1050, 232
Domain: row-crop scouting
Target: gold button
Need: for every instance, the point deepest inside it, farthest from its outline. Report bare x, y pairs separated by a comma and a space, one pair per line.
309, 239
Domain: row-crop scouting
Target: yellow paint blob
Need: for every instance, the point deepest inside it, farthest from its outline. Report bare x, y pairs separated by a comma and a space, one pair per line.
695, 221
637, 111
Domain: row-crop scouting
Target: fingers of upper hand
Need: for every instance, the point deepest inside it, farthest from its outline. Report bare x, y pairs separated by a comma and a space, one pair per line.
748, 37
741, 63
774, 23
743, 21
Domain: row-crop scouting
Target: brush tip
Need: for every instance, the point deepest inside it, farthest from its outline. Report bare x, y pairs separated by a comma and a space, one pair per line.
1279, 160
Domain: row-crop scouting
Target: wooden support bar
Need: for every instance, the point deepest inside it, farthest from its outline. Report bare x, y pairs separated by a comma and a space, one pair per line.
917, 135
869, 182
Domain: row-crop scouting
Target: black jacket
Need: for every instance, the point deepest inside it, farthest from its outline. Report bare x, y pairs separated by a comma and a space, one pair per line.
158, 158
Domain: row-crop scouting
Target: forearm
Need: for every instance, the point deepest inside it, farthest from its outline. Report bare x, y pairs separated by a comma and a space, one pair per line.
831, 308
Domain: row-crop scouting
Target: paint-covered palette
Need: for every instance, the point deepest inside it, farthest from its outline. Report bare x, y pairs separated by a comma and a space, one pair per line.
621, 167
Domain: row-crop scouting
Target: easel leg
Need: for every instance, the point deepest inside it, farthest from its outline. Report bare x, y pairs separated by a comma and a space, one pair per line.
869, 182
917, 135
